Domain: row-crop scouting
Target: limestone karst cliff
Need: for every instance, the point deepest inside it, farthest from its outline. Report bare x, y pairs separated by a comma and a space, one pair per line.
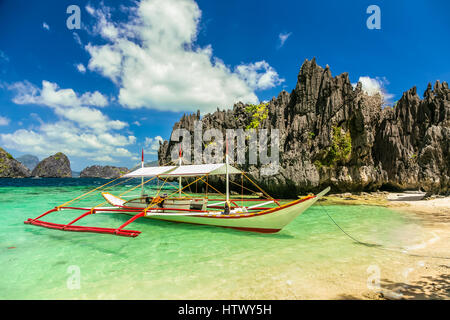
10, 167
332, 133
55, 166
106, 172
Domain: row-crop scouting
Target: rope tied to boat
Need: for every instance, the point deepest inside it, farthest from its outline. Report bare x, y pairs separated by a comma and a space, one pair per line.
376, 245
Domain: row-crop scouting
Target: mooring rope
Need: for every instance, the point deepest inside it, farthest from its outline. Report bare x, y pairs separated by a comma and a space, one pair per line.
379, 246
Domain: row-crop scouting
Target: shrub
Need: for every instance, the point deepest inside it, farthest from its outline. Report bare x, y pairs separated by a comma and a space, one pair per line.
340, 149
259, 113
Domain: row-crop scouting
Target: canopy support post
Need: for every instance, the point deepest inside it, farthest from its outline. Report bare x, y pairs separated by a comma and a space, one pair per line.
226, 173
142, 178
179, 183
179, 178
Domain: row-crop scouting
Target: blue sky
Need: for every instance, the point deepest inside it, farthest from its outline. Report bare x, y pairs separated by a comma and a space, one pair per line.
119, 83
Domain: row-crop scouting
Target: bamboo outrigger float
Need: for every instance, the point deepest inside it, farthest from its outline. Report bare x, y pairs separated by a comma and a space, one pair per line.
174, 207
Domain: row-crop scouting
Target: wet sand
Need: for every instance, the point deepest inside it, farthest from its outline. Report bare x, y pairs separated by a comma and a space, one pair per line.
423, 269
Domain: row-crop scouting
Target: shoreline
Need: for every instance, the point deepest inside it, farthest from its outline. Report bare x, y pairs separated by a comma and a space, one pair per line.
425, 265
434, 204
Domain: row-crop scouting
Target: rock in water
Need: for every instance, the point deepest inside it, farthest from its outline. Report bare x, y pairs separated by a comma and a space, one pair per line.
10, 167
334, 134
56, 166
106, 172
29, 161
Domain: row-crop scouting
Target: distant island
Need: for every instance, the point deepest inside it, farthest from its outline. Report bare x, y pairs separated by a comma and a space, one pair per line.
55, 166
28, 160
10, 167
106, 172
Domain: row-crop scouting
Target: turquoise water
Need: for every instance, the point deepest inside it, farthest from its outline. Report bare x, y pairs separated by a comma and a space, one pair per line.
174, 261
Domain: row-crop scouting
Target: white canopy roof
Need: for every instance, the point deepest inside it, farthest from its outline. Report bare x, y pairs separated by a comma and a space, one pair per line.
185, 171
149, 171
201, 169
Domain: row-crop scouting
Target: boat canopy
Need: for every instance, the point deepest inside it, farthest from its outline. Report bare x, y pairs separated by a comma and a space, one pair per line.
149, 171
201, 169
183, 171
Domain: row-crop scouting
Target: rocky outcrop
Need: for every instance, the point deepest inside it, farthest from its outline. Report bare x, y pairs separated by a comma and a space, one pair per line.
29, 161
106, 172
56, 166
332, 133
10, 167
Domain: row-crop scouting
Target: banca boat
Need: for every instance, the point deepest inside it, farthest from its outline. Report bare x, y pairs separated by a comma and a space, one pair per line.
266, 216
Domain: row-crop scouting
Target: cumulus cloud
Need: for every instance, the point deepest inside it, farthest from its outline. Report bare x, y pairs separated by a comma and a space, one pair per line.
51, 95
81, 131
104, 159
152, 144
45, 26
155, 61
259, 75
374, 86
77, 39
283, 37
4, 121
68, 138
67, 104
80, 67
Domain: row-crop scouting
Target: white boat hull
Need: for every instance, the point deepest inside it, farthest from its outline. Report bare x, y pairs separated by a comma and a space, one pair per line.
266, 221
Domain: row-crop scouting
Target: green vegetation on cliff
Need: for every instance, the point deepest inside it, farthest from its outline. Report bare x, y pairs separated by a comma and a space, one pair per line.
259, 113
10, 167
340, 150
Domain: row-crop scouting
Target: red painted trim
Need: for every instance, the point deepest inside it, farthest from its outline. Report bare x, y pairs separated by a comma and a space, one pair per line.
245, 199
63, 227
244, 215
260, 230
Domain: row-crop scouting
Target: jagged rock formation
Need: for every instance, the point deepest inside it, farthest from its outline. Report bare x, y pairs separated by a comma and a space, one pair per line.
106, 172
10, 167
334, 134
29, 161
56, 166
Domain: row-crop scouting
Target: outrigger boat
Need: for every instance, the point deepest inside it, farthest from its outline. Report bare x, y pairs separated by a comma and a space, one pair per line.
228, 212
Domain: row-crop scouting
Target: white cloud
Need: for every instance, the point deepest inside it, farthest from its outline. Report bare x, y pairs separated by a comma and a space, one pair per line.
80, 67
81, 131
45, 26
65, 102
283, 37
106, 60
155, 61
152, 144
104, 159
49, 95
77, 39
376, 85
137, 123
257, 80
90, 10
68, 138
4, 121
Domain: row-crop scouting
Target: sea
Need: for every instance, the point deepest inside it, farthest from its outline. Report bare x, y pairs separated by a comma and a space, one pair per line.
180, 261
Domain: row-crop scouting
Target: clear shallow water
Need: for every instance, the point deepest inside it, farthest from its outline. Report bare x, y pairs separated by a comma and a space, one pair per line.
174, 261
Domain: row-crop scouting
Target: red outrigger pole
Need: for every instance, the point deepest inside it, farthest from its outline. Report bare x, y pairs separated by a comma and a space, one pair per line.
70, 227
